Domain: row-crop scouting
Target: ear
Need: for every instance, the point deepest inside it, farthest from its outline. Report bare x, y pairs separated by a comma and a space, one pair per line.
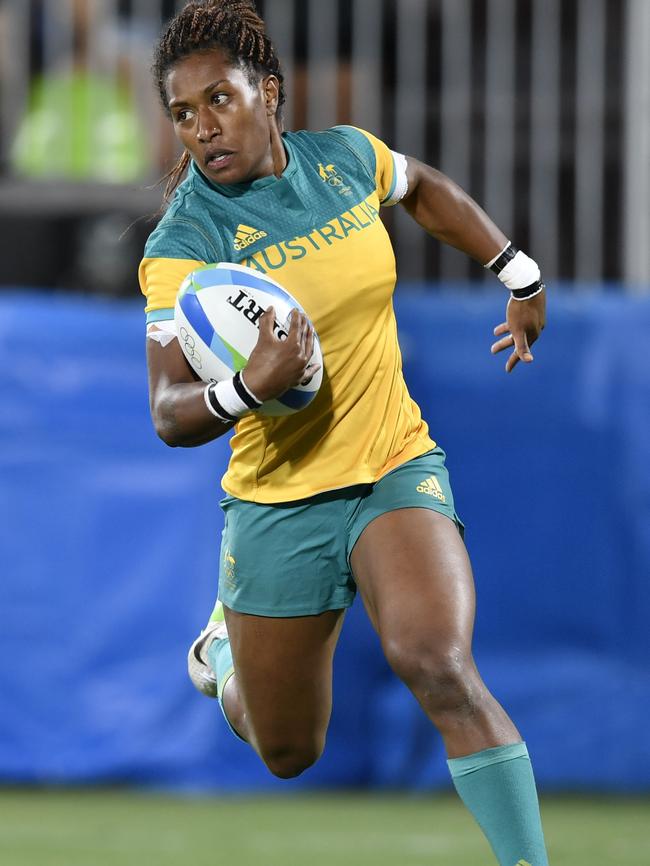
271, 94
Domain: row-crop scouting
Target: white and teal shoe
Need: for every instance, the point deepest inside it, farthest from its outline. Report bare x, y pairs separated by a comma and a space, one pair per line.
203, 677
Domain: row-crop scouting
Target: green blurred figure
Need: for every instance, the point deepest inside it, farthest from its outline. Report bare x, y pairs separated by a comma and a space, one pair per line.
81, 121
80, 126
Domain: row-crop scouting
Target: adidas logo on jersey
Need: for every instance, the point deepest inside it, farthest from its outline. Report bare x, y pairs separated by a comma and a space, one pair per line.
431, 486
246, 235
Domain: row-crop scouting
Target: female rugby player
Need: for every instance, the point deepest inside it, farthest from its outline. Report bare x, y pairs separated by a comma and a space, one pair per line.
351, 492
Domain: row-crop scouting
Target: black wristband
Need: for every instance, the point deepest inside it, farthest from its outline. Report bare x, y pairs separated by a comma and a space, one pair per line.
243, 393
528, 291
506, 256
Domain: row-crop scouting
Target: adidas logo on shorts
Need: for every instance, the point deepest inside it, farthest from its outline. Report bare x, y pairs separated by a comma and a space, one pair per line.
431, 486
247, 235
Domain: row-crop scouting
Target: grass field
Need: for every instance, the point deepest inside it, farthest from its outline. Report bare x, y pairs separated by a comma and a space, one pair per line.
123, 828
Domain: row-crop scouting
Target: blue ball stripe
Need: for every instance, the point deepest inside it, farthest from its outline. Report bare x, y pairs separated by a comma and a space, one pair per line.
219, 348
192, 308
295, 399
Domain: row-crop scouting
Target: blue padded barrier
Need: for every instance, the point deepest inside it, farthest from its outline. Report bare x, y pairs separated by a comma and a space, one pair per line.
109, 543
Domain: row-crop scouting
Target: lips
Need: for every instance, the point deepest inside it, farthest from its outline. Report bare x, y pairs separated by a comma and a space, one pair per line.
216, 159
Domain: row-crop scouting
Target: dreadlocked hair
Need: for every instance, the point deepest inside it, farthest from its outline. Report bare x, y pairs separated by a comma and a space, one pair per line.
231, 25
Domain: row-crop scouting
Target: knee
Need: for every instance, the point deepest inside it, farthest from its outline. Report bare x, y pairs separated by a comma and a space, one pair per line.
288, 761
444, 679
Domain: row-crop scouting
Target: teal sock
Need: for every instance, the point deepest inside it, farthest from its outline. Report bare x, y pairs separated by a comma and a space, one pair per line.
220, 659
498, 787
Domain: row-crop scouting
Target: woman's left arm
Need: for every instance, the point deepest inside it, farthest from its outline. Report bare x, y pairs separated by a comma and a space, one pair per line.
445, 211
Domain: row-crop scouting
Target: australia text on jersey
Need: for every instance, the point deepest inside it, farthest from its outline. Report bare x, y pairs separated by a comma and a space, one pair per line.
358, 218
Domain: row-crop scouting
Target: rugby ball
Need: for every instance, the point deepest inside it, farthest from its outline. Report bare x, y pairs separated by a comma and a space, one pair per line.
217, 314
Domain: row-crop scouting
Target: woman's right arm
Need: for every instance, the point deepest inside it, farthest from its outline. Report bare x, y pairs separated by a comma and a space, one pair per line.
178, 410
176, 396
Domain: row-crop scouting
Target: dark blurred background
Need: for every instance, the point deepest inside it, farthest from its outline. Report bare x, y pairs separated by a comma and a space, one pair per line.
539, 108
109, 541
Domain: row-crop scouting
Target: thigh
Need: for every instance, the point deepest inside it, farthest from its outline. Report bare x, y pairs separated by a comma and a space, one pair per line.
283, 668
414, 575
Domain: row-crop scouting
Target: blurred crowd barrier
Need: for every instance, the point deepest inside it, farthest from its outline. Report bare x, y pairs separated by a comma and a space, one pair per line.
109, 545
539, 108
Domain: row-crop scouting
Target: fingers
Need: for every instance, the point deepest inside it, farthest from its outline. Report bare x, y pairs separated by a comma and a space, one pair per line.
298, 325
293, 329
522, 348
306, 351
309, 340
517, 340
524, 322
282, 356
301, 331
307, 348
521, 353
301, 338
304, 335
500, 345
506, 342
512, 362
267, 322
310, 372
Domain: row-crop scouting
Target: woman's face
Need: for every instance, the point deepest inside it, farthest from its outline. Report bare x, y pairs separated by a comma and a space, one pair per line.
222, 118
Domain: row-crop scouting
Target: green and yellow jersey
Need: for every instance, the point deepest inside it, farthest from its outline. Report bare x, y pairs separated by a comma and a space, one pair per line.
316, 230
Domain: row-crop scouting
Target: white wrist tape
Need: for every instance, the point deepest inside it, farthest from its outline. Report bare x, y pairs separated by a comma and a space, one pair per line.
517, 272
515, 269
520, 272
230, 399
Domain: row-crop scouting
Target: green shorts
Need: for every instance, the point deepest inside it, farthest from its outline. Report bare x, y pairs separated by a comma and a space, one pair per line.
293, 558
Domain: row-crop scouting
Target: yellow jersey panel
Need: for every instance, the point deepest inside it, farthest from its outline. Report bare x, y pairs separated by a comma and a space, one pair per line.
160, 280
384, 168
317, 231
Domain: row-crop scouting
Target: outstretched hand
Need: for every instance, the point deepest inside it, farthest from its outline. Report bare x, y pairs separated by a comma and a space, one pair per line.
524, 323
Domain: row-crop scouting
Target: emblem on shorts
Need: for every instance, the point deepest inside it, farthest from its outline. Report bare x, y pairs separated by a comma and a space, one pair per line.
329, 174
431, 486
229, 563
247, 235
523, 863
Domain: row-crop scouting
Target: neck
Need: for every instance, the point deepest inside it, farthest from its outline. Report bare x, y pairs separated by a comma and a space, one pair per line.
277, 148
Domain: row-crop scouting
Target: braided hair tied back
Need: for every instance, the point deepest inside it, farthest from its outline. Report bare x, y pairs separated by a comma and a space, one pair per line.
234, 27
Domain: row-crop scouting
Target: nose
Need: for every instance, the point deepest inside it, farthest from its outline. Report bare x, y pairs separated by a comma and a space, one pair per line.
208, 125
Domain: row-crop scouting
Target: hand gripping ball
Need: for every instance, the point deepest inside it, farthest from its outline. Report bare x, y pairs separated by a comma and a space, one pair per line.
217, 315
